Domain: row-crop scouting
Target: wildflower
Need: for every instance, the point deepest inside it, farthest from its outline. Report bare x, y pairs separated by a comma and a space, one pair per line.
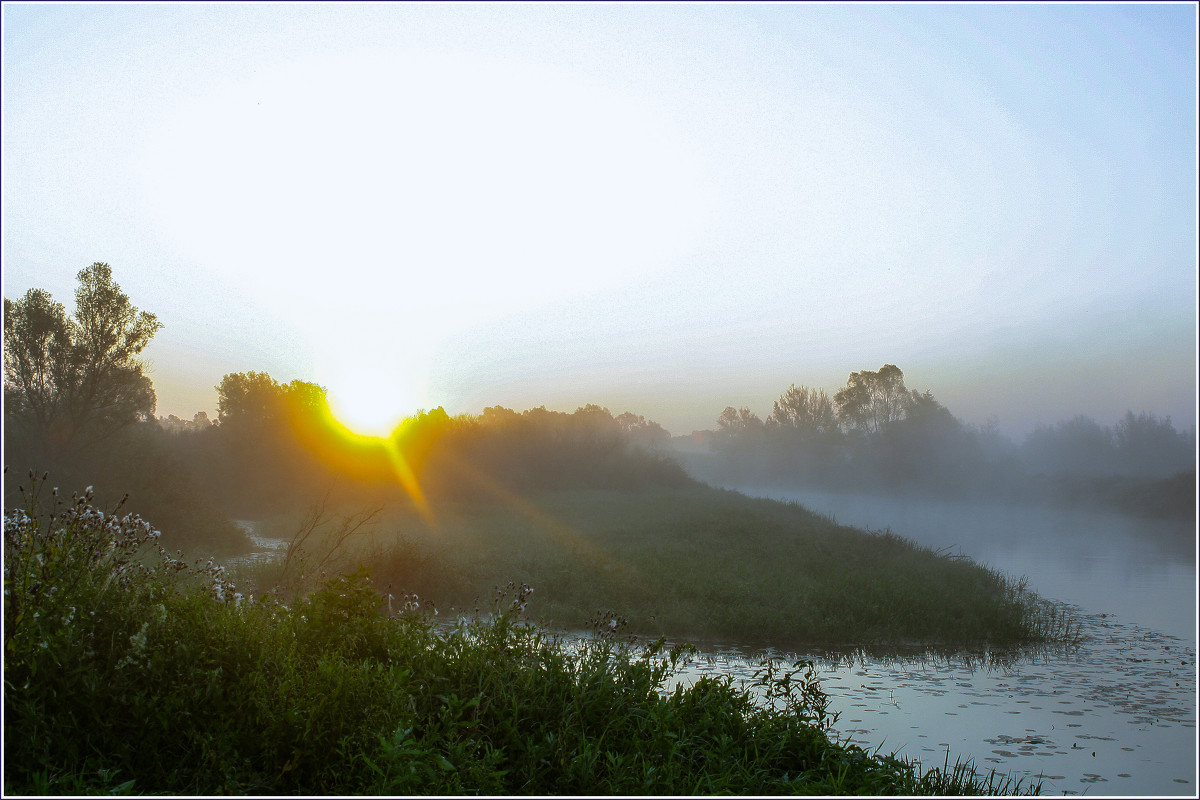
138, 640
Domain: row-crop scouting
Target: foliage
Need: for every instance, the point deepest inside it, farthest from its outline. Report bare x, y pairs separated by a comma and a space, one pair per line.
871, 401
1148, 445
76, 380
539, 449
739, 429
641, 432
172, 684
804, 410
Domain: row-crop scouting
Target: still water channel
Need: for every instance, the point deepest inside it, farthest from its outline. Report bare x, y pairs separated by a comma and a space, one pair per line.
1115, 716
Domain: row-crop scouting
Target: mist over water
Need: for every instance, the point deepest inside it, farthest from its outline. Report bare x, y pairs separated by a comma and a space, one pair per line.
1114, 716
1143, 571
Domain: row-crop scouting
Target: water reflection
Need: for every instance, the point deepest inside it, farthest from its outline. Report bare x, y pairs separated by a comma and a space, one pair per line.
1115, 714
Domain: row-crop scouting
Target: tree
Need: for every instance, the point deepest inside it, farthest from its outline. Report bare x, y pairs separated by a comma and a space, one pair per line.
872, 400
255, 405
642, 432
739, 428
1150, 445
1078, 446
77, 379
738, 421
249, 399
804, 410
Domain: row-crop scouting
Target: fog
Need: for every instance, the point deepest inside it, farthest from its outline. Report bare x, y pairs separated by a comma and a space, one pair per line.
1094, 514
1140, 571
877, 436
528, 276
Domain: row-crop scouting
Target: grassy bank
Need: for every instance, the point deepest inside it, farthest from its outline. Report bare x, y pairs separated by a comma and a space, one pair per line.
127, 671
693, 563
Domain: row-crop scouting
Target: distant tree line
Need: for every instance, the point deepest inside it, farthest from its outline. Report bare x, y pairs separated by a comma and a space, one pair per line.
79, 404
875, 433
279, 440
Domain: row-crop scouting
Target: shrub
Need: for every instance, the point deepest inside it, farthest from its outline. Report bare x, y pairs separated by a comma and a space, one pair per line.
128, 670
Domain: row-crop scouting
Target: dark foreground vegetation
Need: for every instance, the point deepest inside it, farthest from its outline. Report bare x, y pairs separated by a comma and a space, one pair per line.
127, 671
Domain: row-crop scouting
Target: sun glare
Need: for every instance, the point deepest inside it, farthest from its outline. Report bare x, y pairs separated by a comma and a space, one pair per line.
370, 405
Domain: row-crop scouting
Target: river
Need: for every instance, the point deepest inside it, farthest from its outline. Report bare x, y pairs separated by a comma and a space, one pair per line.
1114, 716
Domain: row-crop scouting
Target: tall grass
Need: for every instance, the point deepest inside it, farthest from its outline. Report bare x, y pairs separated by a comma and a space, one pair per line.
696, 563
127, 671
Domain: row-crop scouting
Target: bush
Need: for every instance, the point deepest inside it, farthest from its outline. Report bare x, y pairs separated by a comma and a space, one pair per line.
129, 671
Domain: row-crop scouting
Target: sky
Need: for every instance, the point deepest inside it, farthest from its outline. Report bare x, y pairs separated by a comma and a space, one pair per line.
659, 208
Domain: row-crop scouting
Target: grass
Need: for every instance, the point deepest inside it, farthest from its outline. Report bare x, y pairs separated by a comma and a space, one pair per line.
127, 671
696, 563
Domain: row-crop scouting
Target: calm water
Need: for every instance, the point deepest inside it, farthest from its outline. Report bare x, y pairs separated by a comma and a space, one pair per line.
1127, 694
265, 547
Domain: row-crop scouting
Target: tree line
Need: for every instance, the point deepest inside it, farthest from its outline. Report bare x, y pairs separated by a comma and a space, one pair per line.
79, 404
875, 433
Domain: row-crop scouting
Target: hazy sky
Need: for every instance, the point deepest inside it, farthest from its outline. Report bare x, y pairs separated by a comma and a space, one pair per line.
664, 208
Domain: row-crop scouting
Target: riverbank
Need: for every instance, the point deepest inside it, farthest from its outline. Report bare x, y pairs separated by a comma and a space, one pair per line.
173, 682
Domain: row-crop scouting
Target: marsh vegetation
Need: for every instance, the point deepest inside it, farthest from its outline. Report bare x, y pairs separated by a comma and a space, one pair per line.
135, 661
128, 671
693, 562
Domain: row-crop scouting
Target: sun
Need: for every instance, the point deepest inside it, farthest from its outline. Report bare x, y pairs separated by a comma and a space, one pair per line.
370, 403
373, 205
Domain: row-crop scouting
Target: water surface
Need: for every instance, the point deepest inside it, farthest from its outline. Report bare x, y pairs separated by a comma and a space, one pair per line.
1114, 716
1117, 715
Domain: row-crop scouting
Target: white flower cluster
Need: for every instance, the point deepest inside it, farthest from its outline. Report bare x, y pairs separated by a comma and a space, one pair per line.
411, 604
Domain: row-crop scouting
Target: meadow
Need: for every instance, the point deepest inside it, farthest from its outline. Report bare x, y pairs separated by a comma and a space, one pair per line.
129, 671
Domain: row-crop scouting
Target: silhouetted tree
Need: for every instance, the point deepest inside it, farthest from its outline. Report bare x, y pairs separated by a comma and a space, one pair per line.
738, 423
872, 400
1149, 445
804, 410
1078, 446
77, 380
249, 399
642, 432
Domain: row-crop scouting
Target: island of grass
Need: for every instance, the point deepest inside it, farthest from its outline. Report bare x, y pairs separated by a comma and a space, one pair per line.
128, 671
690, 562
